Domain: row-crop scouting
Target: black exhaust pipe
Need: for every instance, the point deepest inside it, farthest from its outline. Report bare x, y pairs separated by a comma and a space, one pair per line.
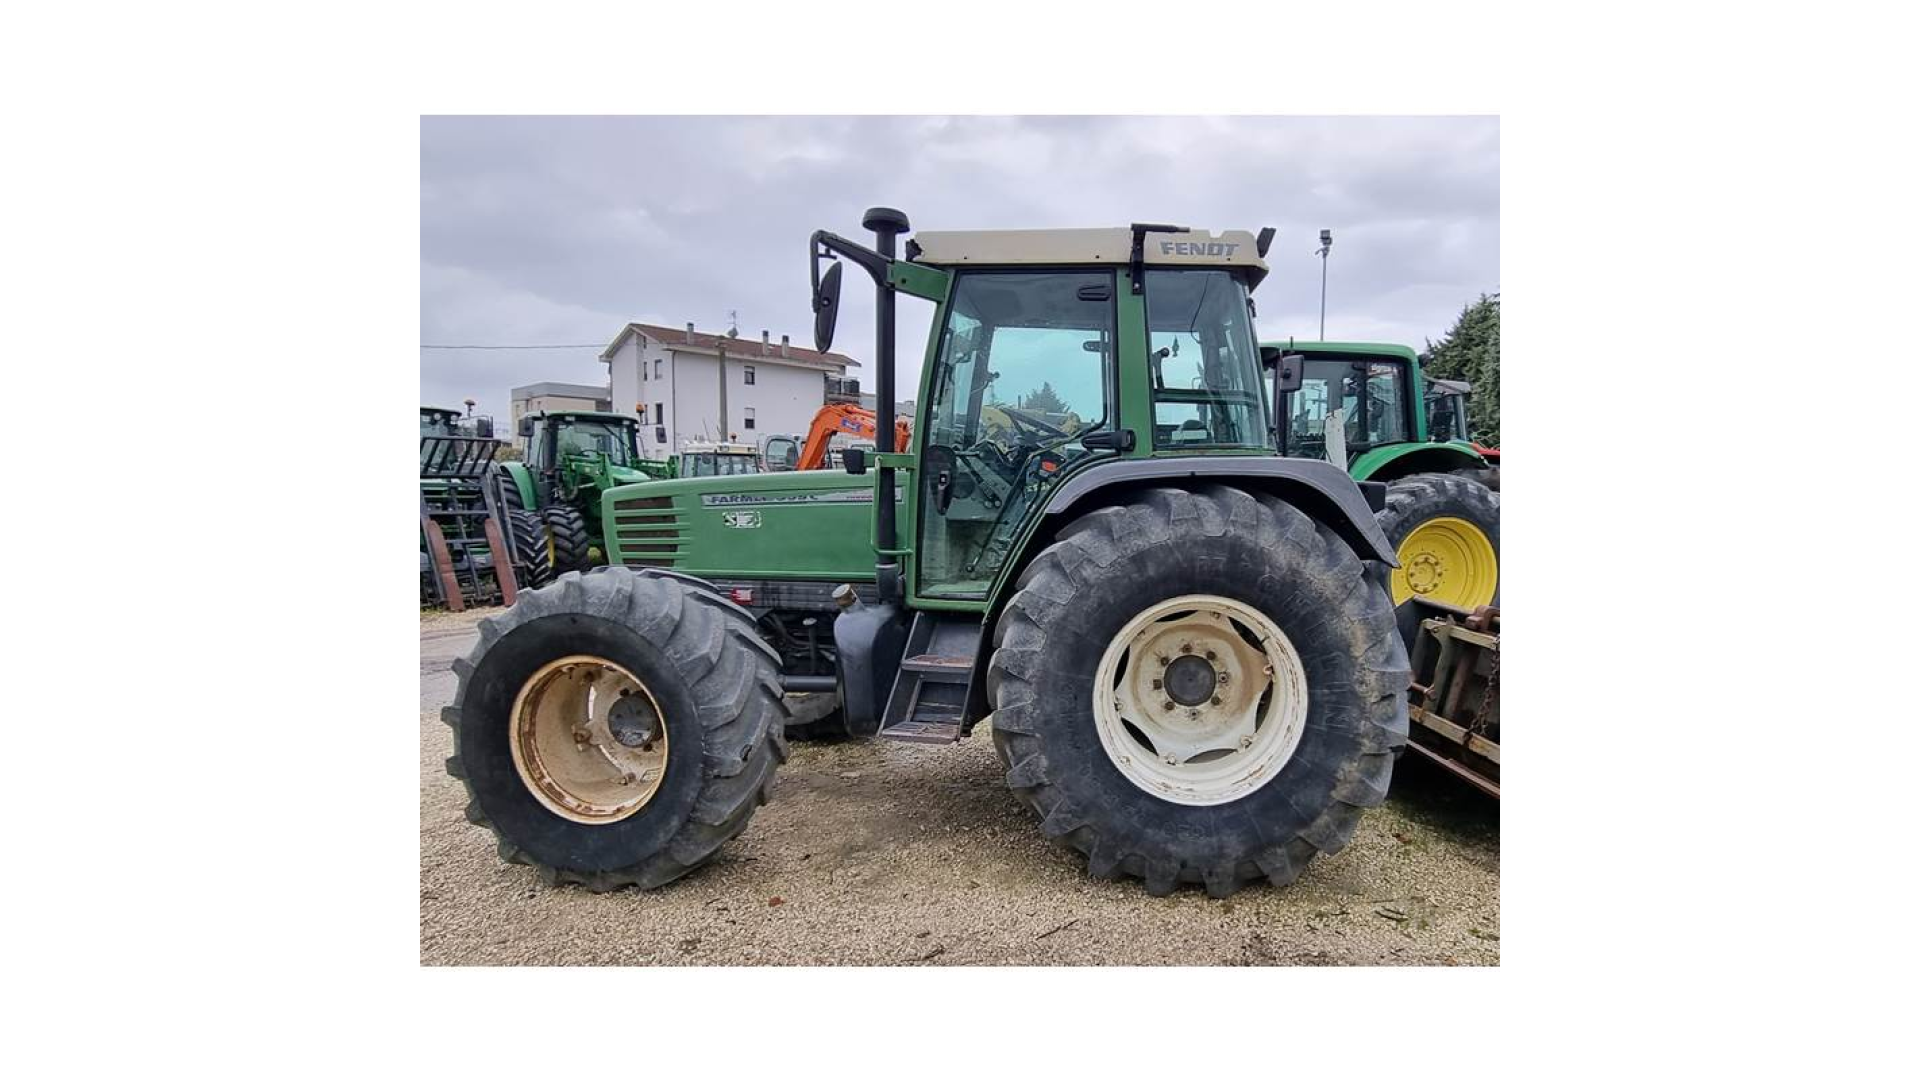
887, 224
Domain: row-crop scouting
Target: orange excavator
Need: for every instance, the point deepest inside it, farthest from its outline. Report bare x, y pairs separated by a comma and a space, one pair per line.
850, 420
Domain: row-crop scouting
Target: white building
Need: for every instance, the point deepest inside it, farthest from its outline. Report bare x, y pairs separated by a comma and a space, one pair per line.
671, 380
557, 397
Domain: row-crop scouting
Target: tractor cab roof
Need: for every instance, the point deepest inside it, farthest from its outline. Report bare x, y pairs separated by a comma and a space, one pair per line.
430, 410
1357, 348
589, 416
1160, 247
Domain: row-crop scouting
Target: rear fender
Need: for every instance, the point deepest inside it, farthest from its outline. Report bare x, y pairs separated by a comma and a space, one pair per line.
1316, 488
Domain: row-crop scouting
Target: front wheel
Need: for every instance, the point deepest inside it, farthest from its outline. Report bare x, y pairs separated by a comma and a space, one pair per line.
567, 528
1198, 686
616, 728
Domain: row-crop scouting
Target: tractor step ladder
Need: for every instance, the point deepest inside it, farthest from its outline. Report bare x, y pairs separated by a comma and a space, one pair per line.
459, 517
929, 699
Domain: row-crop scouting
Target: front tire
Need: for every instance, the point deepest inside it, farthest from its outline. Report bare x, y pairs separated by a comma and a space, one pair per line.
1223, 812
616, 728
532, 555
570, 539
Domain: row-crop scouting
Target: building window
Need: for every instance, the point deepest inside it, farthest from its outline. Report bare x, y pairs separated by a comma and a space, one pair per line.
643, 371
659, 413
656, 369
749, 379
749, 410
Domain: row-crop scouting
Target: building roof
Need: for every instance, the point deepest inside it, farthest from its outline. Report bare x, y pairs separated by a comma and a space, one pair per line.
561, 389
1012, 247
745, 348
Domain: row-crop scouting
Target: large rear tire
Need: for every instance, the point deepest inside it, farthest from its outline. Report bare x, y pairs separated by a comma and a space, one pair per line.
616, 728
570, 539
1222, 786
1445, 532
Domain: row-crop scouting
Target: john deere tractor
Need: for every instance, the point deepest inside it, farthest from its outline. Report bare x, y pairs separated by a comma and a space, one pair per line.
1369, 409
1182, 641
569, 460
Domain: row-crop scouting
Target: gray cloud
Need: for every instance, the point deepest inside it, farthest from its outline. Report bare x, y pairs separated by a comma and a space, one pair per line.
561, 230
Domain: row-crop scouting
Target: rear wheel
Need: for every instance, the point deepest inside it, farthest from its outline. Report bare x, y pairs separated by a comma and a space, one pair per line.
616, 728
1198, 687
532, 553
568, 529
1445, 532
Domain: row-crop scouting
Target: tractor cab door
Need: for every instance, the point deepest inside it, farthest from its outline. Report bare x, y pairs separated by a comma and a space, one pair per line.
1025, 369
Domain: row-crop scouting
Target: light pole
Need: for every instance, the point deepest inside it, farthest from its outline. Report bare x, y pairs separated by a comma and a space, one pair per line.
1326, 245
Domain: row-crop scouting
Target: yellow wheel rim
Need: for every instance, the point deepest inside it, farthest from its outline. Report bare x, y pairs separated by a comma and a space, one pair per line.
1449, 560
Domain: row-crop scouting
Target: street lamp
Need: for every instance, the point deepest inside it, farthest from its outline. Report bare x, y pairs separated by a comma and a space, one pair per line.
1326, 245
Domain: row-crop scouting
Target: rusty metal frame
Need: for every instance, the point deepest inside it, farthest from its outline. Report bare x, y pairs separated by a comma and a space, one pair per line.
1454, 703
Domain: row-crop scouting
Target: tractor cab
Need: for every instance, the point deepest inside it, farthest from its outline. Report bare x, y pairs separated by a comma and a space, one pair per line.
719, 459
1369, 409
569, 452
438, 422
1447, 410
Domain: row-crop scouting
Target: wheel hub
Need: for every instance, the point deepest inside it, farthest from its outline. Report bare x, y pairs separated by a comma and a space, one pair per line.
1190, 680
1200, 700
1424, 572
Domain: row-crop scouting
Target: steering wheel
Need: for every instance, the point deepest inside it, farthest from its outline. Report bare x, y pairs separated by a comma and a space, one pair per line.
1021, 422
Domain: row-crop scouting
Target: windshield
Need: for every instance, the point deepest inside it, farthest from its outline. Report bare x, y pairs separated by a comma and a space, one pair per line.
719, 464
1205, 365
1365, 396
613, 440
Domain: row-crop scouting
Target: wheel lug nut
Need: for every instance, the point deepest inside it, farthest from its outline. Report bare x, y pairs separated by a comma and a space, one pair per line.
1216, 699
1246, 741
1187, 648
1169, 705
1210, 655
1156, 684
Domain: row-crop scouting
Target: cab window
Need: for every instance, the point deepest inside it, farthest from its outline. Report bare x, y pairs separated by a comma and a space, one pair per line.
1024, 371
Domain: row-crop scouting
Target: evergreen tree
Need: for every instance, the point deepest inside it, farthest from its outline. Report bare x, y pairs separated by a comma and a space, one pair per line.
1471, 352
1044, 400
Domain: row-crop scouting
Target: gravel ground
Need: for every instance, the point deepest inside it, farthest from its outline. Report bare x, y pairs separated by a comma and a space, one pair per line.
877, 852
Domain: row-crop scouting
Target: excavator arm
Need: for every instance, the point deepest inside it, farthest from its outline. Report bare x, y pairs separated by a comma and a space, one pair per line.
852, 421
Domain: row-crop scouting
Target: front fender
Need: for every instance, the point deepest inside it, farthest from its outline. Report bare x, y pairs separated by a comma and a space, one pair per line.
522, 480
1317, 488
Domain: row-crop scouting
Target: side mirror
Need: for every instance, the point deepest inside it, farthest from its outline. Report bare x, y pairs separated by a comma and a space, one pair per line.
855, 457
826, 306
483, 427
1288, 369
1291, 371
526, 427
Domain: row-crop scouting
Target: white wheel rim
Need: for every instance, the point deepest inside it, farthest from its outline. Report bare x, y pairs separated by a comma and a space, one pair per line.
1172, 736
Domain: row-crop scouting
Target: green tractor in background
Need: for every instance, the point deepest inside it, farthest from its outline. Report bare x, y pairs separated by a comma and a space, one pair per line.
1369, 409
1183, 641
569, 459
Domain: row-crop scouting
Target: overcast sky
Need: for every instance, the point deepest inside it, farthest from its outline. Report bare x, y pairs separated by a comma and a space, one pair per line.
562, 230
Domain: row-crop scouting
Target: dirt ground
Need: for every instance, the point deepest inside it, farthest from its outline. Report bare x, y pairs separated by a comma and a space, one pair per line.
875, 852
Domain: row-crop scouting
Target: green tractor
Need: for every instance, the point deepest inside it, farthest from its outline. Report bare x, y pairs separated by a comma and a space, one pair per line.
1369, 409
569, 459
1183, 641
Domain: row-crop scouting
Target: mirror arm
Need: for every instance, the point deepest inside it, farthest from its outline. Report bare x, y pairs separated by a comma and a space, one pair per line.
828, 245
